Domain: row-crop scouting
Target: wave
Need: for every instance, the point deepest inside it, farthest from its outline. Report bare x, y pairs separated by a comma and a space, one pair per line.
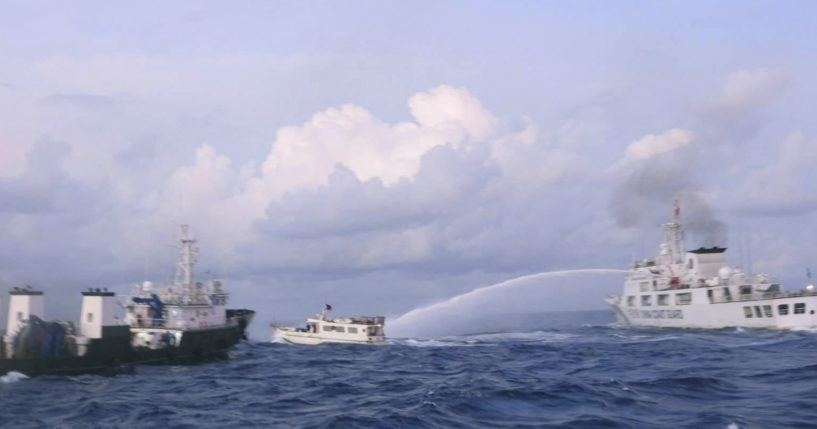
534, 336
13, 377
420, 342
486, 339
573, 377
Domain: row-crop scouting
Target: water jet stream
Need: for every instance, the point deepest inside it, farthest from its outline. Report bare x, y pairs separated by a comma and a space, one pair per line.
450, 311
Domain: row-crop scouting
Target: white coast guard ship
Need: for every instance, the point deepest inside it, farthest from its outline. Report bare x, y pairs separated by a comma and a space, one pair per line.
162, 317
321, 329
696, 289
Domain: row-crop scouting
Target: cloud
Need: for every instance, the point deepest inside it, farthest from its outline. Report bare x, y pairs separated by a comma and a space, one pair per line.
783, 187
463, 203
305, 158
50, 220
655, 144
37, 188
445, 106
366, 224
747, 90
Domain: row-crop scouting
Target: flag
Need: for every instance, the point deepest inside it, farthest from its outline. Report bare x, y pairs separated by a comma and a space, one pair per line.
328, 307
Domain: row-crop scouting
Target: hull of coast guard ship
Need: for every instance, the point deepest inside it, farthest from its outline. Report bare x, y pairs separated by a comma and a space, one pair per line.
696, 289
184, 322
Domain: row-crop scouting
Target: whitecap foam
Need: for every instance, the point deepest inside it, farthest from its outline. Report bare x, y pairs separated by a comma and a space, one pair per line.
277, 340
645, 338
13, 377
534, 336
485, 339
417, 342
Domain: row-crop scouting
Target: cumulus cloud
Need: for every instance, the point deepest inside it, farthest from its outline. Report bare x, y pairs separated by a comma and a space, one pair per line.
37, 188
656, 144
367, 224
336, 146
443, 193
444, 107
783, 187
343, 191
746, 90
50, 220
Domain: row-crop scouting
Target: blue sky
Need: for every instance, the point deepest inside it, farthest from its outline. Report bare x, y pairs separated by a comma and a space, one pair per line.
409, 150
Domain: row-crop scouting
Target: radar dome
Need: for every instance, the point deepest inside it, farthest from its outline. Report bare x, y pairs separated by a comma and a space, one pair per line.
147, 286
724, 272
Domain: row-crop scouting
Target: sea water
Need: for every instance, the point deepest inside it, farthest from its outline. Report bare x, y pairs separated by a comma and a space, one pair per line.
497, 356
572, 369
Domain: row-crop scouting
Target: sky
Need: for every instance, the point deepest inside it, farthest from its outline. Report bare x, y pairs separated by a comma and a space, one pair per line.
383, 156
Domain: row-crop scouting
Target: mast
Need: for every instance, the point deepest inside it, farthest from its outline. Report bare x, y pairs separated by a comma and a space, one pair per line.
674, 235
187, 259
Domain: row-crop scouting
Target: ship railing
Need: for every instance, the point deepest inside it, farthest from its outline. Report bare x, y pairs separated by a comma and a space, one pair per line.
762, 295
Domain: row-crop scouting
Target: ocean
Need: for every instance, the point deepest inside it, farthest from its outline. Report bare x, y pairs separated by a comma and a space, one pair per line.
580, 372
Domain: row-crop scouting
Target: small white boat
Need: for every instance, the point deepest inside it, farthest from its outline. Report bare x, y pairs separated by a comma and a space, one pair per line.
321, 329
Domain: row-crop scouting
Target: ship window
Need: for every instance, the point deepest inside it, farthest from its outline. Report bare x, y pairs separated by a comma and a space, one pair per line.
683, 298
747, 311
20, 315
799, 308
645, 300
757, 311
663, 299
767, 310
691, 265
331, 328
645, 286
746, 290
631, 301
339, 329
352, 330
783, 309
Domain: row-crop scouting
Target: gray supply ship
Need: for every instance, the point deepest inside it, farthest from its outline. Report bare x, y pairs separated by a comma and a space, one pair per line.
183, 322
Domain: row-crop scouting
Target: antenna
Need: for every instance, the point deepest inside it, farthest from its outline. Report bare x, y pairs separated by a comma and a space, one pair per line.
749, 253
740, 244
